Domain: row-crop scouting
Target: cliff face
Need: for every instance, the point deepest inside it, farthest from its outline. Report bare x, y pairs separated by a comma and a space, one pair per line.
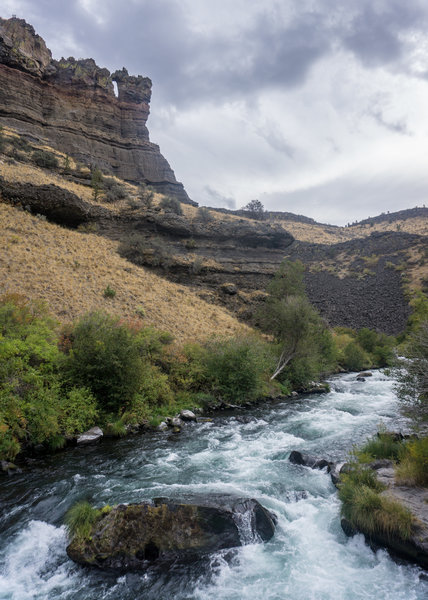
71, 105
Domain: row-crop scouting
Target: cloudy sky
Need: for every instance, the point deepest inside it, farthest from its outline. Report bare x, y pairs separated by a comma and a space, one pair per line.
318, 107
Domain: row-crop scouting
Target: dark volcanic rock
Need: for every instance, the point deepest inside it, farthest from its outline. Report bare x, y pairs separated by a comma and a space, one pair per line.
374, 300
70, 104
55, 203
306, 460
130, 537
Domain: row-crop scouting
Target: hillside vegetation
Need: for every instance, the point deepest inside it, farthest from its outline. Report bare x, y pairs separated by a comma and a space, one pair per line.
136, 239
72, 270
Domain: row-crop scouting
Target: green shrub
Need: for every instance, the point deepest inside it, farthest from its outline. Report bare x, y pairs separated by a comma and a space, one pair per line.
104, 358
97, 183
88, 227
186, 368
378, 345
412, 376
139, 250
80, 519
151, 343
138, 411
171, 205
367, 339
234, 369
66, 164
383, 445
190, 244
44, 159
141, 311
155, 388
354, 357
29, 385
115, 428
109, 292
78, 411
146, 196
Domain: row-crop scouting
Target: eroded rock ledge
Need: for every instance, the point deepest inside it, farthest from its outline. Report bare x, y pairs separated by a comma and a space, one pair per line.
70, 104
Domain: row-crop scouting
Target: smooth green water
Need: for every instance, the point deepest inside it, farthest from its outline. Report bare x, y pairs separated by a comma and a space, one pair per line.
245, 453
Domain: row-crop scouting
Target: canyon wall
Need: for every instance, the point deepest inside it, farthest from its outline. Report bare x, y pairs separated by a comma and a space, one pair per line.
71, 105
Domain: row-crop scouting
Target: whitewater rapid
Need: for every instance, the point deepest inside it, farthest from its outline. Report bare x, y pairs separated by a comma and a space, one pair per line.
244, 453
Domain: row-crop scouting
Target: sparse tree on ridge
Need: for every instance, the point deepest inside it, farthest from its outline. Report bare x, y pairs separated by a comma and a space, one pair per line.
255, 209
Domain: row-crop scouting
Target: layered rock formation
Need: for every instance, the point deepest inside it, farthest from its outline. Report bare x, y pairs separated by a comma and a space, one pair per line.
71, 105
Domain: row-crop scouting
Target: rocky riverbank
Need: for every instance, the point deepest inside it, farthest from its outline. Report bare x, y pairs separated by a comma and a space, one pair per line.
412, 547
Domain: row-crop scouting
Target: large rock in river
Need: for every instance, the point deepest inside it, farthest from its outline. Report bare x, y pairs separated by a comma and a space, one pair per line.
131, 537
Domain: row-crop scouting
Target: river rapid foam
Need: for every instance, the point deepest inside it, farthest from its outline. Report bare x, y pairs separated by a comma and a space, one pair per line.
244, 453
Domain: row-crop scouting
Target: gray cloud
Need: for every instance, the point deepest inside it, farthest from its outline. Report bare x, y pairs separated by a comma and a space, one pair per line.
274, 49
266, 95
351, 197
398, 126
217, 200
375, 33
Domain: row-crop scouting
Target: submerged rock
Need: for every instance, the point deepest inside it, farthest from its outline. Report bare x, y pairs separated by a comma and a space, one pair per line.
131, 537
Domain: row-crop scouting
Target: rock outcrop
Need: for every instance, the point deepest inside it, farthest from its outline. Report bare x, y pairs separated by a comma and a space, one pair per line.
70, 104
131, 537
306, 460
55, 203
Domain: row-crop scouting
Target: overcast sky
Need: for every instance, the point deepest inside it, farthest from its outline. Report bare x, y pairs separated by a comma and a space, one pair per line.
318, 107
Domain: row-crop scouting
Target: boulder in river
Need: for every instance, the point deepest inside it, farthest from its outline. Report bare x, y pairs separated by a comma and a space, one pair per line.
306, 460
91, 436
187, 415
133, 536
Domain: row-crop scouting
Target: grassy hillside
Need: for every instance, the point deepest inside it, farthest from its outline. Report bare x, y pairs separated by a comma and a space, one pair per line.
71, 270
327, 234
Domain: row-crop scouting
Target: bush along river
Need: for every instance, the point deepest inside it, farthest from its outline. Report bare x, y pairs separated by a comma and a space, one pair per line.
244, 453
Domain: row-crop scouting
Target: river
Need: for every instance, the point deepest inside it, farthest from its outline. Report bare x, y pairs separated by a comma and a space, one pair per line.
244, 453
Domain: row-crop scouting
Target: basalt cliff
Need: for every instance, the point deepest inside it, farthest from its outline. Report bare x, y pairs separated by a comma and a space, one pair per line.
71, 105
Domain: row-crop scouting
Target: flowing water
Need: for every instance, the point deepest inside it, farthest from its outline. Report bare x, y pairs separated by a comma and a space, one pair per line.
244, 453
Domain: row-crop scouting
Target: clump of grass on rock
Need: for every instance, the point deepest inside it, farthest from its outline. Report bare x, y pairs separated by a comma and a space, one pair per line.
368, 511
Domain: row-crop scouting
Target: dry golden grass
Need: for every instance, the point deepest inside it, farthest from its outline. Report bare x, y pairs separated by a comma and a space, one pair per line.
27, 173
325, 234
71, 270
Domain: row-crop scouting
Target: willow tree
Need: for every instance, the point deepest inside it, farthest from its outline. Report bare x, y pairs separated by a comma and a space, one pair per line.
291, 319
